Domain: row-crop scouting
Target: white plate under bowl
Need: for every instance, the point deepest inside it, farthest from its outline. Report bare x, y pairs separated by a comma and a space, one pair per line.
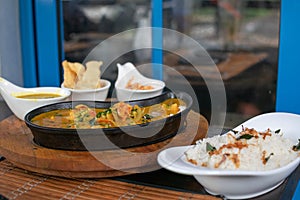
239, 184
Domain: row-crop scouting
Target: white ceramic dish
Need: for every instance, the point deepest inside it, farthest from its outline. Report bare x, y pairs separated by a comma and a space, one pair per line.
128, 71
99, 94
238, 184
20, 106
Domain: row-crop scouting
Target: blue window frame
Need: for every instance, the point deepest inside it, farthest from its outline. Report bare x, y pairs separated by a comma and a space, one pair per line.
42, 47
41, 43
288, 95
28, 43
157, 38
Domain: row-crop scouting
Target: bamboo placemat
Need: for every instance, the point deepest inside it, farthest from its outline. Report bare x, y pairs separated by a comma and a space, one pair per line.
16, 183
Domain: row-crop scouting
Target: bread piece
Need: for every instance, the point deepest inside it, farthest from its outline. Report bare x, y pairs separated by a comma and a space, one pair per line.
91, 76
69, 75
78, 69
72, 73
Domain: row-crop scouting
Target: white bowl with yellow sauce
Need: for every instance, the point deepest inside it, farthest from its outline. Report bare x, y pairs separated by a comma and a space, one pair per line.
22, 100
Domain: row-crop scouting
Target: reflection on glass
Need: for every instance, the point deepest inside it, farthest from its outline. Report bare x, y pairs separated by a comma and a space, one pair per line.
242, 39
88, 22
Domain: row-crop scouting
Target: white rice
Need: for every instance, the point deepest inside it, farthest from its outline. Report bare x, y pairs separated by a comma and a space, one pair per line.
258, 153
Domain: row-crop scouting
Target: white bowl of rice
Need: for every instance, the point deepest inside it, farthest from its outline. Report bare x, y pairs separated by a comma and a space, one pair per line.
252, 160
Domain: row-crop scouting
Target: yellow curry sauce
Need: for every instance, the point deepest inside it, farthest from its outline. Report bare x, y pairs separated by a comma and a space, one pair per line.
37, 95
120, 114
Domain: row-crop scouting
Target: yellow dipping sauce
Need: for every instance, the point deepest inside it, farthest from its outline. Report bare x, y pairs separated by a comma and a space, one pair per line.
38, 95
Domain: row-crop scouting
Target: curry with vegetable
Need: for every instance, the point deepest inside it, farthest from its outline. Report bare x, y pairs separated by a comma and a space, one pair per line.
119, 114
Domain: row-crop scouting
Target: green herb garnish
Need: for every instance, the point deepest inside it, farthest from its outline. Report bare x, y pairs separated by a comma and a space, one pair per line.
267, 158
277, 131
209, 147
104, 113
108, 111
234, 131
99, 114
147, 116
297, 146
245, 136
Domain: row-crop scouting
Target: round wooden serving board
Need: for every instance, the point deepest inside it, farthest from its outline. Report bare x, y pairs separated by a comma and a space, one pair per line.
17, 146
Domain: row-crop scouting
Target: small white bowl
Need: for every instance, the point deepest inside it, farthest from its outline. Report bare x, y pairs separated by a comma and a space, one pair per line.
99, 94
238, 184
128, 72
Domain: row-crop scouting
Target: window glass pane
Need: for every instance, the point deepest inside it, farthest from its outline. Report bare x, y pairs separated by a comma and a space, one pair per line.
242, 39
89, 22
